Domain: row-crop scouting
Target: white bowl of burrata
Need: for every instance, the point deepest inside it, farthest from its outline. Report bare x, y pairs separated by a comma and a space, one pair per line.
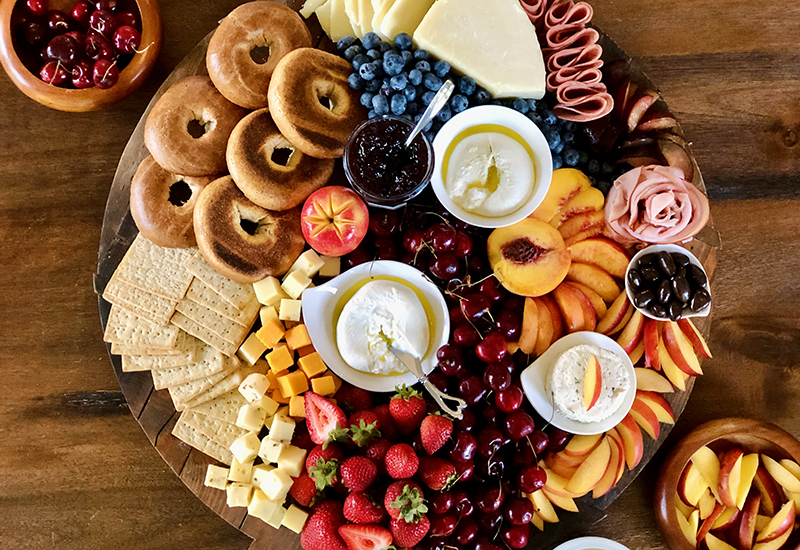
555, 383
493, 166
355, 319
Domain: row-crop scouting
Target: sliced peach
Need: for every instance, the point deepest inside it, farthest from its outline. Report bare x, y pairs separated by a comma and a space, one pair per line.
582, 445
780, 474
632, 333
565, 184
617, 315
645, 418
589, 315
571, 307
749, 468
543, 506
637, 353
565, 503
615, 464
529, 257
544, 336
614, 434
583, 226
691, 485
596, 301
708, 465
591, 471
726, 519
650, 337
530, 326
595, 278
671, 370
781, 523
747, 526
689, 526
603, 253
538, 522
761, 522
592, 384
655, 402
680, 349
555, 315
590, 199
715, 543
649, 380
730, 476
770, 494
559, 466
792, 466
706, 504
632, 442
557, 484
709, 520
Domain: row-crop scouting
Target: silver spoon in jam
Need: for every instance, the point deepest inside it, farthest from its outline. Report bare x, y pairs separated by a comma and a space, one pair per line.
439, 101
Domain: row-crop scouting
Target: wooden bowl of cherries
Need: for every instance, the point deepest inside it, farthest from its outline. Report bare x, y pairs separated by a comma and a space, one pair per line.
79, 55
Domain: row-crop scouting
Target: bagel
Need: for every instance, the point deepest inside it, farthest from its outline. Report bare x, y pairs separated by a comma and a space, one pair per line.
268, 244
162, 208
191, 105
235, 58
301, 82
272, 185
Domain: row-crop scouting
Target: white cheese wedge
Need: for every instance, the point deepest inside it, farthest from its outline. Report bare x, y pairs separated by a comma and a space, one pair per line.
310, 7
281, 429
367, 12
493, 42
246, 447
381, 8
241, 471
216, 477
260, 506
323, 14
276, 484
404, 17
260, 472
292, 460
353, 11
239, 494
294, 519
340, 23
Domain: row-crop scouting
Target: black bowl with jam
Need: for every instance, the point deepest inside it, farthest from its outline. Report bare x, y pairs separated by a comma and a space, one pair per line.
379, 166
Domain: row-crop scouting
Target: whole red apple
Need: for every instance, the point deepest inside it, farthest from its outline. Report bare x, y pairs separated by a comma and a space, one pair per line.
334, 220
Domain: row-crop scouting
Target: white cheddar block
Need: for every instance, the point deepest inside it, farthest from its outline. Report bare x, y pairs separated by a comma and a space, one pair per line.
331, 267
340, 23
251, 418
261, 507
323, 14
310, 7
276, 484
484, 40
309, 263
294, 519
254, 387
404, 17
260, 472
271, 450
239, 495
268, 291
353, 11
381, 8
246, 447
216, 477
241, 471
292, 460
290, 310
268, 405
367, 13
252, 349
266, 313
277, 517
295, 284
282, 428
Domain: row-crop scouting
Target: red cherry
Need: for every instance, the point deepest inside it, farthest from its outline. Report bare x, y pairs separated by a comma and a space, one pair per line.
58, 22
33, 33
508, 324
518, 425
54, 73
492, 348
440, 503
105, 73
127, 18
385, 249
489, 499
96, 47
464, 447
443, 237
413, 239
519, 511
493, 290
466, 336
532, 478
538, 440
488, 521
37, 7
558, 440
472, 390
438, 379
108, 5
466, 532
497, 377
445, 267
516, 536
383, 223
509, 400
442, 525
127, 39
464, 244
79, 37
104, 23
483, 544
462, 503
63, 48
81, 11
489, 442
359, 256
474, 306
82, 76
464, 470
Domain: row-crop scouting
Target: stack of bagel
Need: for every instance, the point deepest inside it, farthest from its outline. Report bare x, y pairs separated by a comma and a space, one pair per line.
234, 154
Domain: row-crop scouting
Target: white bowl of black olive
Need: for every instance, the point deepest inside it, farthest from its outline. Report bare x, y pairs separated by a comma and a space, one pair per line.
667, 282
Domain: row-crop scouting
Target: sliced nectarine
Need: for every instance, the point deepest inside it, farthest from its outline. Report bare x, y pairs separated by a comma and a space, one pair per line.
538, 522
671, 370
599, 306
649, 380
591, 471
689, 526
617, 315
657, 404
603, 253
780, 524
715, 543
632, 442
555, 315
691, 485
706, 504
645, 418
565, 503
615, 464
543, 506
650, 337
556, 484
709, 520
730, 476
680, 349
590, 199
770, 494
726, 519
530, 326
592, 384
571, 307
631, 335
565, 184
595, 278
780, 474
747, 526
583, 226
708, 465
637, 354
582, 445
749, 468
544, 336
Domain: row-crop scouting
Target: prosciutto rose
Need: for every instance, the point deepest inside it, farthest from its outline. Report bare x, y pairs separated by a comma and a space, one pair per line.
656, 205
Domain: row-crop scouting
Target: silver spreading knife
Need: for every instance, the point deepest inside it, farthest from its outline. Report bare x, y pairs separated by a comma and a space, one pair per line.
415, 367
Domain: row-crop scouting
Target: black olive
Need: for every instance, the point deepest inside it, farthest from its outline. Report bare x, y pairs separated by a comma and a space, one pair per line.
674, 310
658, 311
700, 300
650, 273
681, 289
698, 276
644, 298
635, 279
664, 292
681, 260
666, 264
647, 259
680, 271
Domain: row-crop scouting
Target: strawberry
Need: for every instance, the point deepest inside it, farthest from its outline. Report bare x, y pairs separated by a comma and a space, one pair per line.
360, 508
409, 534
358, 472
304, 489
401, 461
364, 426
366, 537
321, 531
330, 452
322, 417
354, 399
436, 472
376, 451
408, 409
388, 427
404, 498
325, 473
434, 431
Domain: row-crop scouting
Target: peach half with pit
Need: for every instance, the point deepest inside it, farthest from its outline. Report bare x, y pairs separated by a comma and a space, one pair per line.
529, 258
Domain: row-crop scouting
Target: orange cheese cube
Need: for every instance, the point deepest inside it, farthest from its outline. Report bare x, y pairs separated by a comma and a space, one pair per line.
271, 333
297, 337
278, 396
323, 385
305, 350
297, 406
312, 365
337, 382
280, 358
293, 383
272, 378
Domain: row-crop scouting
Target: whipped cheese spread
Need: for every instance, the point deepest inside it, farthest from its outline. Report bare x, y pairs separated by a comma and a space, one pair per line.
565, 383
379, 316
490, 174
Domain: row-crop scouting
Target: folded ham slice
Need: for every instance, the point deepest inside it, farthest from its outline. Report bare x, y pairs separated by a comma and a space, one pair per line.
579, 102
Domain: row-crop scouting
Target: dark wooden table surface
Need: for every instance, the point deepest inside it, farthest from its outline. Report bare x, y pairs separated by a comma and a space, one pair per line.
76, 471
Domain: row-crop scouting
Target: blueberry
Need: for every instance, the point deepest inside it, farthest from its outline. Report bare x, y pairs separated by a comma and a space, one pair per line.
386, 89
384, 46
408, 57
371, 40
393, 63
355, 81
366, 99
351, 52
568, 137
368, 71
399, 82
532, 104
496, 102
428, 126
421, 54
593, 167
412, 108
521, 105
415, 77
607, 168
570, 126
372, 114
445, 114
359, 60
459, 103
559, 148
432, 82
410, 92
466, 85
381, 105
584, 158
399, 103
345, 43
441, 68
403, 41
558, 162
482, 96
375, 55
535, 117
552, 137
423, 66
373, 86
604, 186
571, 156
427, 97
548, 117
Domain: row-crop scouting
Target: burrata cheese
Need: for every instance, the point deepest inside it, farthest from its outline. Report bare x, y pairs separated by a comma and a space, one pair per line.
379, 316
565, 383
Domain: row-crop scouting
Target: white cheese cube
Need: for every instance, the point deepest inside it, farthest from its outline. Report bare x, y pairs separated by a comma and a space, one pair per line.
309, 263
240, 471
270, 450
283, 411
252, 349
295, 284
292, 460
254, 387
251, 418
276, 484
331, 267
216, 477
281, 429
268, 405
261, 507
246, 447
294, 519
260, 471
290, 310
239, 494
266, 313
268, 291
277, 517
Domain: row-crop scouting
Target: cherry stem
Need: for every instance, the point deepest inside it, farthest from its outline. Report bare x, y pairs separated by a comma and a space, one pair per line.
144, 50
109, 68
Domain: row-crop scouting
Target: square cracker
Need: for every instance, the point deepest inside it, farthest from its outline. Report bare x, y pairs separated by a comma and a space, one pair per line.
209, 361
228, 384
139, 363
209, 435
123, 327
158, 270
206, 335
140, 302
184, 347
225, 407
184, 392
201, 293
238, 295
124, 349
218, 324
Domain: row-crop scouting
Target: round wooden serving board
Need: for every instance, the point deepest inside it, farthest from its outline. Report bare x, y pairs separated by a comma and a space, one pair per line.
156, 414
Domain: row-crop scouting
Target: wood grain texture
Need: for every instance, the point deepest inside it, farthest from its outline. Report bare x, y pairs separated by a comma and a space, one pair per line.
76, 471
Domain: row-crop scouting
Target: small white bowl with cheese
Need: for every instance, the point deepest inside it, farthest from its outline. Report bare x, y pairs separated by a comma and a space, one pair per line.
493, 166
554, 383
355, 318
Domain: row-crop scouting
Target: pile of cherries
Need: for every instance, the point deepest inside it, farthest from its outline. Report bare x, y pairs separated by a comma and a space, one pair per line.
497, 445
82, 49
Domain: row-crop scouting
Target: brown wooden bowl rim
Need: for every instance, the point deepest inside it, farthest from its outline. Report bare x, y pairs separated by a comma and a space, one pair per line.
89, 99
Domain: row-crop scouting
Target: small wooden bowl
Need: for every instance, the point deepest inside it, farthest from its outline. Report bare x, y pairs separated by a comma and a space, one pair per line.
88, 99
752, 435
